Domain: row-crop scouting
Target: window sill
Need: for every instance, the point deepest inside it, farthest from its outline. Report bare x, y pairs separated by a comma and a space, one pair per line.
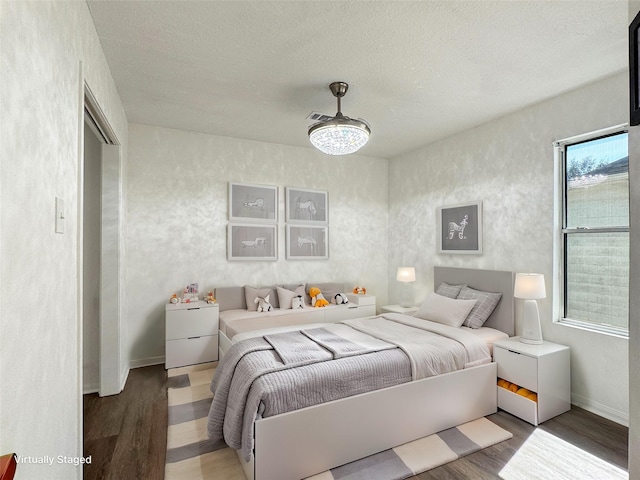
599, 329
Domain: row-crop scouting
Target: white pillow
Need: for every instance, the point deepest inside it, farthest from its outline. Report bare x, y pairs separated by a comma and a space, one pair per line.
445, 310
285, 296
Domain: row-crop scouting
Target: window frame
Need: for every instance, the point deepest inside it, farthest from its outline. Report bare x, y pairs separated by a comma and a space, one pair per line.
561, 233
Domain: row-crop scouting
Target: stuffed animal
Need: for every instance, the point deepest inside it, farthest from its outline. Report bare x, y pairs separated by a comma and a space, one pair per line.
317, 299
297, 302
360, 291
263, 304
210, 298
340, 298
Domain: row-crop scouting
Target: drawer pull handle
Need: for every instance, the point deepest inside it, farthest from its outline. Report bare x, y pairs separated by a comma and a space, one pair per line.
518, 353
190, 338
194, 308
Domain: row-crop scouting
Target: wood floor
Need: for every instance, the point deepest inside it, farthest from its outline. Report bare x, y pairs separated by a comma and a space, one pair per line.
126, 435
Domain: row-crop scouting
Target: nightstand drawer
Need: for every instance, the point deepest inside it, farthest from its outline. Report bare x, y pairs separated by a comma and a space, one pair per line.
518, 405
189, 351
361, 299
191, 322
517, 368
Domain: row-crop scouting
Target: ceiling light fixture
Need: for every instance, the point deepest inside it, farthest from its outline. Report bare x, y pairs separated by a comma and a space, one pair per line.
339, 135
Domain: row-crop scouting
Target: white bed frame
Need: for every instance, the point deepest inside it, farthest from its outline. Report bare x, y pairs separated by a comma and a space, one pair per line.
305, 442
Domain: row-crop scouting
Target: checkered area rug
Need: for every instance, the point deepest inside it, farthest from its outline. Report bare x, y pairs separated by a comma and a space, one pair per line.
190, 454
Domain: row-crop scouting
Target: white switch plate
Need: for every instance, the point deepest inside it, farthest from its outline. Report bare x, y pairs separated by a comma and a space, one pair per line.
59, 215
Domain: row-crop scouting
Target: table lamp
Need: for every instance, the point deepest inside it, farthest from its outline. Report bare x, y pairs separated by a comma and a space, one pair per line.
530, 287
406, 275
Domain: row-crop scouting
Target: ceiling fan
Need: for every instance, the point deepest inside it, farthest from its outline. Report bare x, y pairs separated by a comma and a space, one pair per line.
338, 134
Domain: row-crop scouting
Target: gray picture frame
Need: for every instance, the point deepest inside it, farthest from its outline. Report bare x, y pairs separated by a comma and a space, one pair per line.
306, 206
250, 202
307, 242
252, 242
460, 228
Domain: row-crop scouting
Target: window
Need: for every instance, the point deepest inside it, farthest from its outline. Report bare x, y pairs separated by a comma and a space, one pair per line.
593, 239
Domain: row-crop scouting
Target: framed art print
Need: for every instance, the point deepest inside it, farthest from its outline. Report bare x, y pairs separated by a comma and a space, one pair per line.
460, 228
249, 202
307, 242
252, 242
306, 206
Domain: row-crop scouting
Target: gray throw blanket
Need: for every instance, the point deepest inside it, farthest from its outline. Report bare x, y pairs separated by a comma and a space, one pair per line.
265, 376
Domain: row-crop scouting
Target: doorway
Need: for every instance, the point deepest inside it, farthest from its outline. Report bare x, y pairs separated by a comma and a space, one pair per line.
99, 252
91, 249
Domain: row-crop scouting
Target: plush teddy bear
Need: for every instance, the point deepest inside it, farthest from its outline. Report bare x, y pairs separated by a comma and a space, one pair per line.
340, 298
263, 304
317, 299
297, 302
360, 291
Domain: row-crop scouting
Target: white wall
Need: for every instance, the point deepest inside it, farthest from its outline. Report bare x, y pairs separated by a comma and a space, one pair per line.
42, 46
177, 217
508, 164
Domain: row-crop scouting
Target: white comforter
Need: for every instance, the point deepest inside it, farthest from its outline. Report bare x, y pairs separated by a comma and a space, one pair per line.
427, 344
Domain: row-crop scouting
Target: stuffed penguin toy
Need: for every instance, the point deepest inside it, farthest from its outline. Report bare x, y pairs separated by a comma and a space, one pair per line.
263, 304
340, 298
297, 302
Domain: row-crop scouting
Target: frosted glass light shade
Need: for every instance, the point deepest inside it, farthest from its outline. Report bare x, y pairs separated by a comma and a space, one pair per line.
406, 274
339, 137
529, 286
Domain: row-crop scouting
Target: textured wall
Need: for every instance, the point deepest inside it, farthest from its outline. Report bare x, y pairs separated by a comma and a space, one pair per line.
508, 164
177, 217
42, 46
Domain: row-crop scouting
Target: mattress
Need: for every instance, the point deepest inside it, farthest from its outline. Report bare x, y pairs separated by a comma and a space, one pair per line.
233, 322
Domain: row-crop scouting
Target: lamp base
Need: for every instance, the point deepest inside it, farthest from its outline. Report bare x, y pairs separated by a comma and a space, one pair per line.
531, 341
407, 296
531, 331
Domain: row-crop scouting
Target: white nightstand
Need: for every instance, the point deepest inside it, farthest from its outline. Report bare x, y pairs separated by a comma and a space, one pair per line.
191, 333
399, 309
543, 369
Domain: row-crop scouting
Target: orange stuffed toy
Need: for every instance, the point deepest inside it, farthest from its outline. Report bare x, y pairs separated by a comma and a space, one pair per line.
317, 299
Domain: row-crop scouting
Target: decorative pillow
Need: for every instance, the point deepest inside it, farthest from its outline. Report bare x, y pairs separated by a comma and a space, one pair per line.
285, 296
445, 310
451, 291
251, 293
486, 303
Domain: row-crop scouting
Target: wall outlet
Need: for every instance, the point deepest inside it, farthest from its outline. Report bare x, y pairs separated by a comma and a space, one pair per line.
59, 215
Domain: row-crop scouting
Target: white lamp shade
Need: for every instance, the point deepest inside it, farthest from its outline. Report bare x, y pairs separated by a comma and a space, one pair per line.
529, 286
406, 274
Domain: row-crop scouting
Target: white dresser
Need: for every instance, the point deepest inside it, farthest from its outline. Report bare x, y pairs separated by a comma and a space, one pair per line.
191, 333
543, 369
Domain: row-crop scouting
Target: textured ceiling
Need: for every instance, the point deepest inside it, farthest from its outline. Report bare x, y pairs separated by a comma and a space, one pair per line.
418, 71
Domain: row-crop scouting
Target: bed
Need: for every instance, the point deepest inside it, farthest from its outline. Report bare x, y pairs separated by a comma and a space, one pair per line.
308, 440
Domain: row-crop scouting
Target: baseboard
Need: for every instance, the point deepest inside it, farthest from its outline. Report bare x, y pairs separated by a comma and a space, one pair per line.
600, 410
124, 375
146, 362
93, 388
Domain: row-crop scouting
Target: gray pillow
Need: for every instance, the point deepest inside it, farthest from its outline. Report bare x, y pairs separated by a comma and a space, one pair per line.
451, 291
285, 295
251, 293
486, 303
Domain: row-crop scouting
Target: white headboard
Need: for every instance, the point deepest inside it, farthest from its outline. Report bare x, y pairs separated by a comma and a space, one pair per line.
503, 317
